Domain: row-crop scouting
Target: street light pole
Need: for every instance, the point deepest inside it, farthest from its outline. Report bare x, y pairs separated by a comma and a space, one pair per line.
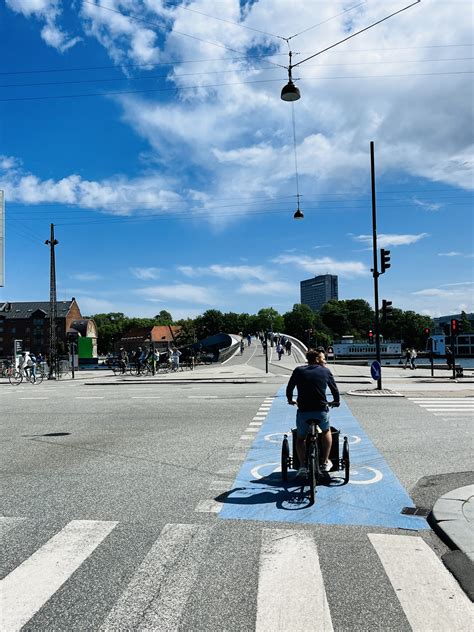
53, 352
375, 272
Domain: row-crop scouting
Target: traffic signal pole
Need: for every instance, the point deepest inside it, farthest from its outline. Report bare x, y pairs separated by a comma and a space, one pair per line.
375, 272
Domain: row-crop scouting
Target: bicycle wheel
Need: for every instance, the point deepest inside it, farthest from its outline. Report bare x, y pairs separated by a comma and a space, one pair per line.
15, 378
313, 470
346, 460
285, 454
37, 379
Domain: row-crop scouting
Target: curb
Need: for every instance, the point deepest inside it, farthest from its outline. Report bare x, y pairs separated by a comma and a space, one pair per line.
453, 514
385, 392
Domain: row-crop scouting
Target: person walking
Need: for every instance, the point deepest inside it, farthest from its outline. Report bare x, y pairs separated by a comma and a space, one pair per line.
413, 356
407, 357
449, 358
279, 350
288, 346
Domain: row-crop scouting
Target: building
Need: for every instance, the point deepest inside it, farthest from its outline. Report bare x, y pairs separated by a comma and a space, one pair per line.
29, 322
163, 336
319, 290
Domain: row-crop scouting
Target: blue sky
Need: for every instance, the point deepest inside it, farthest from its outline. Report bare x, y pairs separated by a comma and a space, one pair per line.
162, 152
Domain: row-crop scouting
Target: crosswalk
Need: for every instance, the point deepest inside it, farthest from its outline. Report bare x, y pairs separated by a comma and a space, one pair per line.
447, 407
177, 584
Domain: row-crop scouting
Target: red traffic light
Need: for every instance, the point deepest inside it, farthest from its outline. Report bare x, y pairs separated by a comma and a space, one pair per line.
454, 326
427, 331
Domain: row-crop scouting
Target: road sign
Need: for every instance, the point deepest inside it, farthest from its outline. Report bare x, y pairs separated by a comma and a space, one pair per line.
330, 351
375, 370
17, 347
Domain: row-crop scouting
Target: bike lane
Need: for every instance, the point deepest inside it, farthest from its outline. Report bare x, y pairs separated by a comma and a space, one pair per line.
373, 497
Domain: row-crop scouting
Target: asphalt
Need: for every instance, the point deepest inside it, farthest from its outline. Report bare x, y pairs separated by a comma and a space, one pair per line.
452, 516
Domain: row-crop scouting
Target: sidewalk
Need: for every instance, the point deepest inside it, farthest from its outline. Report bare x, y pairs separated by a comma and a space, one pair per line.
453, 514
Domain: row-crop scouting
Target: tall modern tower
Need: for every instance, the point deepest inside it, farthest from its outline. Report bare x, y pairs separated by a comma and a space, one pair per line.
319, 290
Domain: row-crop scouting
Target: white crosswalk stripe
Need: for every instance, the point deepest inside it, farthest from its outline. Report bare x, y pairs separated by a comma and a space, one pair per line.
157, 593
31, 584
458, 407
290, 595
429, 595
290, 605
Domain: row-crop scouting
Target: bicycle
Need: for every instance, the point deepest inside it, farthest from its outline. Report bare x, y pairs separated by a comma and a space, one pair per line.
313, 456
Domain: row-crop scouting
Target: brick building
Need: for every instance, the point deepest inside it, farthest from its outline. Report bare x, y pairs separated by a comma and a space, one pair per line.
29, 322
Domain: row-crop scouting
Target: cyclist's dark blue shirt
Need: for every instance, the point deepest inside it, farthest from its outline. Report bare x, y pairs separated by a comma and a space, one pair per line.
311, 381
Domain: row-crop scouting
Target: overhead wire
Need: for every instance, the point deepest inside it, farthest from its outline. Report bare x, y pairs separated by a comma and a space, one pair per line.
220, 85
220, 72
302, 61
310, 28
220, 59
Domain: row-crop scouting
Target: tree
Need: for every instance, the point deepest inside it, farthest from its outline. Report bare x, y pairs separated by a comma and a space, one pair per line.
209, 323
164, 318
268, 319
299, 321
335, 316
466, 326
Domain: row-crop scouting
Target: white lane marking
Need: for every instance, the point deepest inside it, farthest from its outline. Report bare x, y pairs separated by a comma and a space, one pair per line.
252, 429
428, 593
376, 478
90, 397
209, 506
286, 558
260, 418
26, 589
263, 415
265, 407
34, 397
146, 397
448, 406
459, 415
279, 439
440, 399
246, 437
6, 524
202, 396
158, 591
255, 471
256, 423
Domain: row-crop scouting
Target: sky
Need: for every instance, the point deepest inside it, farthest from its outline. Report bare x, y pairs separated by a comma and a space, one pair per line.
152, 134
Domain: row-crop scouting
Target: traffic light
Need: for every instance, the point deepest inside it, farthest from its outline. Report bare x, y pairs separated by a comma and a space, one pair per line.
426, 331
371, 336
454, 326
384, 260
446, 329
387, 310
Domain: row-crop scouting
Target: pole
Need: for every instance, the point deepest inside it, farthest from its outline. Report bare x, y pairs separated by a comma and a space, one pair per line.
266, 352
375, 268
431, 357
73, 348
153, 361
53, 354
453, 348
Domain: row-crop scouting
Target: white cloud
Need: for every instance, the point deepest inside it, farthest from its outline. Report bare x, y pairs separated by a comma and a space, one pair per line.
118, 195
384, 240
428, 206
226, 272
452, 253
145, 274
324, 265
91, 305
178, 292
48, 11
86, 277
273, 288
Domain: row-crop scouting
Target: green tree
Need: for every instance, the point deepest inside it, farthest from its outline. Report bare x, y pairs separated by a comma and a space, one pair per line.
209, 323
268, 319
164, 318
299, 321
466, 326
335, 315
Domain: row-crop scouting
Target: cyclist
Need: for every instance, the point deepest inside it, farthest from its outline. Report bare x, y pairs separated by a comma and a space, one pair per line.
311, 381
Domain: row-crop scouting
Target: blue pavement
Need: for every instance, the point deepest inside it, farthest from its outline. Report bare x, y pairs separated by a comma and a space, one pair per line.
373, 497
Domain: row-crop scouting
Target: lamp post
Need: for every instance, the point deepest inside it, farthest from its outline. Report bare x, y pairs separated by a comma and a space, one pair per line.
375, 272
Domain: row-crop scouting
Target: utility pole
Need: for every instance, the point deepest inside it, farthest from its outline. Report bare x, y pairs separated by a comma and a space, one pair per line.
53, 354
375, 272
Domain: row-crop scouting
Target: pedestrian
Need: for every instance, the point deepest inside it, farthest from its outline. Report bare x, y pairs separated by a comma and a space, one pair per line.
249, 340
449, 357
279, 350
32, 365
288, 346
175, 355
407, 357
413, 356
242, 346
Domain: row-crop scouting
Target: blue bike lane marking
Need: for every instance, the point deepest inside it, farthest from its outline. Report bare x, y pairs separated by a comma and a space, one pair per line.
373, 497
